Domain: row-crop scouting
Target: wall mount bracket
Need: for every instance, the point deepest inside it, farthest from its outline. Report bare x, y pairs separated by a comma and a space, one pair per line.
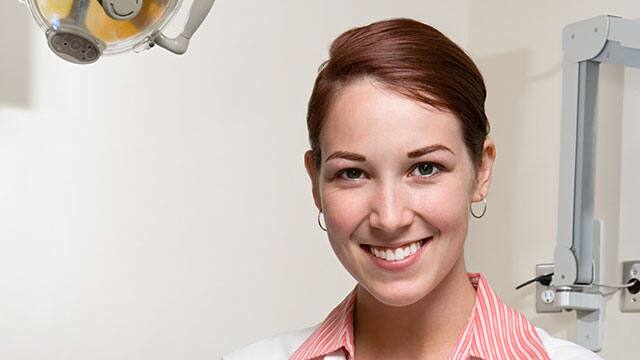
586, 44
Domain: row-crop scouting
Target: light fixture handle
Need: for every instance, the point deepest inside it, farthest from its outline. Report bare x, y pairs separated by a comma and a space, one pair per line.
178, 45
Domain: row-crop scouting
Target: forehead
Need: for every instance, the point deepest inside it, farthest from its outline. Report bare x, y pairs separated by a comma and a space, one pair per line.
365, 117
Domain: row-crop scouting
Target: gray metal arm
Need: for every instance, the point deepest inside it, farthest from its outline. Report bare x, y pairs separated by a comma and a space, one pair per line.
197, 14
586, 44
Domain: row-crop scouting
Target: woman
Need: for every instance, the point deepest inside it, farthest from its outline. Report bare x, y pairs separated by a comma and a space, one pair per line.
399, 152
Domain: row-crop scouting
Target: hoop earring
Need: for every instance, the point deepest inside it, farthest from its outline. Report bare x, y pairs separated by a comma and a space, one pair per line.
324, 228
484, 208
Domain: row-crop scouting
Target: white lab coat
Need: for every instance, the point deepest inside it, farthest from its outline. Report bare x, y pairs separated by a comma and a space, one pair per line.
281, 347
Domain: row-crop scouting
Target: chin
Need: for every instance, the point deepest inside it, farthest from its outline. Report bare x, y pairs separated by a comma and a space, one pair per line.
398, 294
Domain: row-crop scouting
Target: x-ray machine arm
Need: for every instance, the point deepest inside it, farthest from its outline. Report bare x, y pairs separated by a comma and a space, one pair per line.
586, 44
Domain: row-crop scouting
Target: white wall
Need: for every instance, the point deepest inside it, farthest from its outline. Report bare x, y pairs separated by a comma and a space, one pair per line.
155, 206
519, 50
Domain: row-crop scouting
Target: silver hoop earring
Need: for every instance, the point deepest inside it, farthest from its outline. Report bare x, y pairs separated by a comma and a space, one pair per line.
484, 208
324, 228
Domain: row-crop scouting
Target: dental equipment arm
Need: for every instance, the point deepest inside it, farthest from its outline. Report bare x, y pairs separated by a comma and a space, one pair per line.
603, 39
197, 14
580, 237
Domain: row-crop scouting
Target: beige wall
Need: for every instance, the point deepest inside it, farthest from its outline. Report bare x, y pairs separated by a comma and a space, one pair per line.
155, 206
519, 50
179, 223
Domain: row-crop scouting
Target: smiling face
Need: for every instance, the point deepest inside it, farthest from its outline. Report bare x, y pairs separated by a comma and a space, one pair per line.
395, 184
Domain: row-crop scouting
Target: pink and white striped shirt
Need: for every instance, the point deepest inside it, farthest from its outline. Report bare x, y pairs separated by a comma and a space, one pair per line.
494, 331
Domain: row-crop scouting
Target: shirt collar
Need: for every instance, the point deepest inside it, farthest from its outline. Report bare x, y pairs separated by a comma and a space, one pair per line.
497, 331
334, 333
494, 330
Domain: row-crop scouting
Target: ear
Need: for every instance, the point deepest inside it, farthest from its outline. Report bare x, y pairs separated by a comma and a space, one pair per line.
313, 175
483, 173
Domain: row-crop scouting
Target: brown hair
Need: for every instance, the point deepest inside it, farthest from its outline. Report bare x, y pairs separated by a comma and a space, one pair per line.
412, 59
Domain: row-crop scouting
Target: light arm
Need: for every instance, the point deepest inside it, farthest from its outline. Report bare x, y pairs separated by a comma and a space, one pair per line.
197, 14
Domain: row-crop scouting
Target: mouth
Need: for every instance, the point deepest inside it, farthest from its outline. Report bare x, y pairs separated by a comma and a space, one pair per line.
399, 257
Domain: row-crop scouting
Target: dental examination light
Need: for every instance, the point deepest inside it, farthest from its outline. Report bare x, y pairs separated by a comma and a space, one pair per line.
572, 282
80, 31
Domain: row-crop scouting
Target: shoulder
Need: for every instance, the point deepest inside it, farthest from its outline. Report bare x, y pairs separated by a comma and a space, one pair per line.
274, 348
559, 349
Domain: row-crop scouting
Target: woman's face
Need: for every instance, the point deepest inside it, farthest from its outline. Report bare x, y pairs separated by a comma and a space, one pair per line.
395, 185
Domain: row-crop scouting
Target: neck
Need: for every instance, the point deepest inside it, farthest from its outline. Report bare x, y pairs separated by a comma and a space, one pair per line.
428, 328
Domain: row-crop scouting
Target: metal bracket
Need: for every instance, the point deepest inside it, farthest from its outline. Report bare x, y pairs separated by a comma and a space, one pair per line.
588, 302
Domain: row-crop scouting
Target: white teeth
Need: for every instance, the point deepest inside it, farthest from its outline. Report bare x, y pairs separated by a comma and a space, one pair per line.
397, 254
407, 251
391, 256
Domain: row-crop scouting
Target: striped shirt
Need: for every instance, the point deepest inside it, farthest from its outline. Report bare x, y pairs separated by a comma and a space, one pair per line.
494, 331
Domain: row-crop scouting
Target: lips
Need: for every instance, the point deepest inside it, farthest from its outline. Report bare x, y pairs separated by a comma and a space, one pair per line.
397, 258
396, 254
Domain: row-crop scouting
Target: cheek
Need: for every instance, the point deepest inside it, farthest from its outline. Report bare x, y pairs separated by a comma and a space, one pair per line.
344, 211
444, 207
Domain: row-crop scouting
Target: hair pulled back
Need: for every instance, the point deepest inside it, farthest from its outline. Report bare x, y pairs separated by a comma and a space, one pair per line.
409, 58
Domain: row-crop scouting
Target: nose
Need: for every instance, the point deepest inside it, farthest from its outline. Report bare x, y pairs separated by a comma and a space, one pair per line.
390, 208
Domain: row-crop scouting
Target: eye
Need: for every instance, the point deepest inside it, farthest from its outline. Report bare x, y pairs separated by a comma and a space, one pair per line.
425, 170
350, 174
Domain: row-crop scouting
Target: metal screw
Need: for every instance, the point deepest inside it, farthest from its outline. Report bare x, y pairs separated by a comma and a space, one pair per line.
633, 299
634, 272
573, 36
595, 30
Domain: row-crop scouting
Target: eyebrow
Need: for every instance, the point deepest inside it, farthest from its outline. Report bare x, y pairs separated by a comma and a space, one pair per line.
428, 149
411, 154
346, 155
